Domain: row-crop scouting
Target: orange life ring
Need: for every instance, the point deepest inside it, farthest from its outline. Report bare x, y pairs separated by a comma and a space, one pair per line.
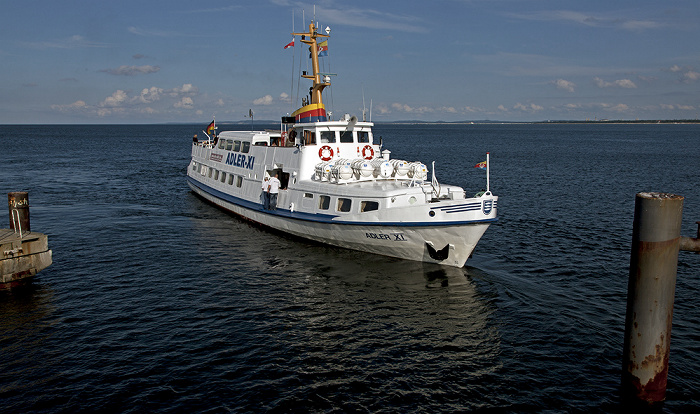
325, 153
367, 152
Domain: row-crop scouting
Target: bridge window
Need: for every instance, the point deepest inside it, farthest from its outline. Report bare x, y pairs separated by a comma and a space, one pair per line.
344, 204
366, 206
246, 146
327, 137
222, 143
229, 144
362, 136
236, 146
346, 136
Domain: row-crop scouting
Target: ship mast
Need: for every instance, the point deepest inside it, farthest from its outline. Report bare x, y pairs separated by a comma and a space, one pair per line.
318, 86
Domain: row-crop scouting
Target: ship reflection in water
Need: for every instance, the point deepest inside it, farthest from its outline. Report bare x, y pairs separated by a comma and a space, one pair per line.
333, 319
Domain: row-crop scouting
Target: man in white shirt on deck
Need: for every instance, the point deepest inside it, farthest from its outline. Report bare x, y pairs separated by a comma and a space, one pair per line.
274, 191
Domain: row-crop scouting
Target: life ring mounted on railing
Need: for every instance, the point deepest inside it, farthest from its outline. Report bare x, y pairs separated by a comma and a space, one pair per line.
368, 152
325, 153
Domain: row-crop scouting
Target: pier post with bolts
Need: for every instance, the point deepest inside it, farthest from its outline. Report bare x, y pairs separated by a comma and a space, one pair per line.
650, 295
18, 205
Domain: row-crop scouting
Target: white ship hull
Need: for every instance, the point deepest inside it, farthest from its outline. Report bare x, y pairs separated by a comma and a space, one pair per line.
409, 242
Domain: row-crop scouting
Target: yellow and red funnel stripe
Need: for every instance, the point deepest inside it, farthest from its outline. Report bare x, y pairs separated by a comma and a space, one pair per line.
310, 113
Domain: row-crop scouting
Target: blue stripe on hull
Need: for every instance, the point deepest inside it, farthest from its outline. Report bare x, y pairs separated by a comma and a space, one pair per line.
321, 218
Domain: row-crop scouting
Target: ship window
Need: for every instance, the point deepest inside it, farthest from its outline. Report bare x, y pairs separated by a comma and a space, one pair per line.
327, 137
194, 166
369, 206
346, 136
324, 202
344, 204
229, 144
222, 143
362, 136
239, 181
246, 146
223, 176
216, 174
309, 137
236, 145
230, 179
211, 171
308, 195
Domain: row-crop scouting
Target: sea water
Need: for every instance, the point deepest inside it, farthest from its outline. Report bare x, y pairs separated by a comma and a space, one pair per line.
159, 302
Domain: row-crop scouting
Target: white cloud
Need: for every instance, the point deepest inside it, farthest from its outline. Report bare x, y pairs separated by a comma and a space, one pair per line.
265, 100
186, 103
408, 109
620, 108
186, 89
588, 19
75, 106
284, 97
564, 85
117, 99
149, 95
691, 76
73, 42
621, 83
125, 70
532, 108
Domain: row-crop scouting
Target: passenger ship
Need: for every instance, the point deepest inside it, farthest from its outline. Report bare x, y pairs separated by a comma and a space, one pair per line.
338, 186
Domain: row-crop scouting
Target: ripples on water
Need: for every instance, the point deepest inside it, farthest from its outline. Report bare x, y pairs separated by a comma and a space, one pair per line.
158, 302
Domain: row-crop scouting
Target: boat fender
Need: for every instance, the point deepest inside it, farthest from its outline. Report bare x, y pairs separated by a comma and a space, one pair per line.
325, 153
367, 152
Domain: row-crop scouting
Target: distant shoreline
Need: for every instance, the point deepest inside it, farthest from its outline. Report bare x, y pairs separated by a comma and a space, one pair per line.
416, 122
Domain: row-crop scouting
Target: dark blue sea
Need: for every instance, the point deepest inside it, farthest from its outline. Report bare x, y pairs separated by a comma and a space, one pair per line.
158, 302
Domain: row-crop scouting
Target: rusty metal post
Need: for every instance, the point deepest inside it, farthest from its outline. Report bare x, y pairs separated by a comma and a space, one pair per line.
18, 206
650, 295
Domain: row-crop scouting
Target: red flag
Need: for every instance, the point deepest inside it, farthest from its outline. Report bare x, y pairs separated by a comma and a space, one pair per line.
290, 44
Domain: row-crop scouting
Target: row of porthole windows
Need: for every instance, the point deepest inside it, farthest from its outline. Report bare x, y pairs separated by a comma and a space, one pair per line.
218, 175
343, 205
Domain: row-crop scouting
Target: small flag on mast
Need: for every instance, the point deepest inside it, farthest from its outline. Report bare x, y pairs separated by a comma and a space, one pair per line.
290, 44
481, 165
211, 129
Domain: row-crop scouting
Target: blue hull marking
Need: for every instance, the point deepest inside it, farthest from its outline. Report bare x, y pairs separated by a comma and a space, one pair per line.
324, 218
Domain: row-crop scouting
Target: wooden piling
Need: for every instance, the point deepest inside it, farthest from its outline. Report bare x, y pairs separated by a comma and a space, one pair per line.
650, 295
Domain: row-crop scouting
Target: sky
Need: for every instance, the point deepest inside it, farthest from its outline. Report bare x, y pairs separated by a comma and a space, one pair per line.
136, 62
